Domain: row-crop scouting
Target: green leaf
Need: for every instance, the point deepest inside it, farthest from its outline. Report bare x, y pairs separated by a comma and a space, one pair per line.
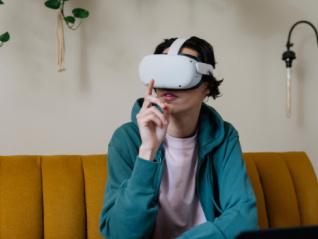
80, 13
5, 37
53, 4
69, 19
1, 2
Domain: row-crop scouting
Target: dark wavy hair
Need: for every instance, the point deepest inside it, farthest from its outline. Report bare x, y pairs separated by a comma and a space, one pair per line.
205, 55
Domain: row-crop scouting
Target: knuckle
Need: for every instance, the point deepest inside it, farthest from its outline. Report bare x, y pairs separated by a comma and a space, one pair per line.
138, 116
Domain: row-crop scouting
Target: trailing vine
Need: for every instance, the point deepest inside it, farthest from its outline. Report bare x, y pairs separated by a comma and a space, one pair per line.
69, 20
4, 37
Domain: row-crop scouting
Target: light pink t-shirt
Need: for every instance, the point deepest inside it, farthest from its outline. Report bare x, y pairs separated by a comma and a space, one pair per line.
179, 205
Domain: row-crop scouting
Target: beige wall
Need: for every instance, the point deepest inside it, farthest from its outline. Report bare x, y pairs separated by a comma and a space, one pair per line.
75, 112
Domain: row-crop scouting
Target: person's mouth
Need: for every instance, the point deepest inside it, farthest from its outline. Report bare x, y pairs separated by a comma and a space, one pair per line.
169, 95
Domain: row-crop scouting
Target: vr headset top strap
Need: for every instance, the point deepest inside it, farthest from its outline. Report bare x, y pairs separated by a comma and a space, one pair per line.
174, 49
176, 46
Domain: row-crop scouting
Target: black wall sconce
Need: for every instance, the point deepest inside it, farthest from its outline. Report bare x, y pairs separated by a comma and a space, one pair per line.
288, 57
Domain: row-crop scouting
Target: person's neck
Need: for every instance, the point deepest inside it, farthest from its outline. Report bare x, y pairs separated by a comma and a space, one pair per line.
183, 126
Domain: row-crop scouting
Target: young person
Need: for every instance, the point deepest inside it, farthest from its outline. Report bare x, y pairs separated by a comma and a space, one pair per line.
176, 170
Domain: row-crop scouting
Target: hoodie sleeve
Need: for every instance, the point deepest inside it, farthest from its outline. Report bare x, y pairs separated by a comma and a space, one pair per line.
129, 207
237, 202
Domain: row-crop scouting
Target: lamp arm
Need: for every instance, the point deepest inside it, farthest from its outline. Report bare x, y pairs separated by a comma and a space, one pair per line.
288, 44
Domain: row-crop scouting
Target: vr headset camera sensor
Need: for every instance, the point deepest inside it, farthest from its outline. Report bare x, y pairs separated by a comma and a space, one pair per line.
173, 70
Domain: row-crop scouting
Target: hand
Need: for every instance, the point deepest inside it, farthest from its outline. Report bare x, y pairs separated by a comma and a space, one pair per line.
152, 123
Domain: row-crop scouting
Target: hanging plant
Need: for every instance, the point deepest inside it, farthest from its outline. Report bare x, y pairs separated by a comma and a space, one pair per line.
78, 13
69, 20
4, 37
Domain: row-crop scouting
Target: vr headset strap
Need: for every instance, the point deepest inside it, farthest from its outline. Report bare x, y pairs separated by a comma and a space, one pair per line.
174, 49
176, 46
204, 68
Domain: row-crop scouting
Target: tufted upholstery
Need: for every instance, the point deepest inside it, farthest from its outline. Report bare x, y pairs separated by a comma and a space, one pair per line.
51, 196
286, 188
61, 196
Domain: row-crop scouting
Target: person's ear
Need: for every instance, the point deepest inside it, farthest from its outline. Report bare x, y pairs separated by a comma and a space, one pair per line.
206, 89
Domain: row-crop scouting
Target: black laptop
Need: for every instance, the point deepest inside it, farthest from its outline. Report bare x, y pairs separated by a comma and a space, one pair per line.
310, 232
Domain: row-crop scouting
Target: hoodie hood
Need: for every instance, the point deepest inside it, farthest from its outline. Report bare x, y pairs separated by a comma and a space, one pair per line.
210, 126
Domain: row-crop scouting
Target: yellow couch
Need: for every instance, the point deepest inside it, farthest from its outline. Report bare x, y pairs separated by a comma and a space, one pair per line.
61, 196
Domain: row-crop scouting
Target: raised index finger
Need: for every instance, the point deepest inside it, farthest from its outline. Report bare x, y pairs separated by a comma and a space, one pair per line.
150, 87
148, 93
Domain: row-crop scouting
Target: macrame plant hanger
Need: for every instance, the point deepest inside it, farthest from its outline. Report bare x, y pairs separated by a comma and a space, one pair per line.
60, 42
70, 20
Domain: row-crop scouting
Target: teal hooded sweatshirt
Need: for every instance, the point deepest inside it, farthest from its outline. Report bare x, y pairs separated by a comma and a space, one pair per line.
223, 186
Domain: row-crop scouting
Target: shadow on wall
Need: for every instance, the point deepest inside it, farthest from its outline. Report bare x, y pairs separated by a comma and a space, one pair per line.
301, 74
83, 67
262, 19
85, 40
34, 40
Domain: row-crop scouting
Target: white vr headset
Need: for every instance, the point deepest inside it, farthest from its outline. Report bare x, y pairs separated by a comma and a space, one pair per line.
173, 70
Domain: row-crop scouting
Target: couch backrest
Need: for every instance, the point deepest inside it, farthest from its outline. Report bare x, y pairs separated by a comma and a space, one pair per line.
286, 188
51, 196
61, 196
